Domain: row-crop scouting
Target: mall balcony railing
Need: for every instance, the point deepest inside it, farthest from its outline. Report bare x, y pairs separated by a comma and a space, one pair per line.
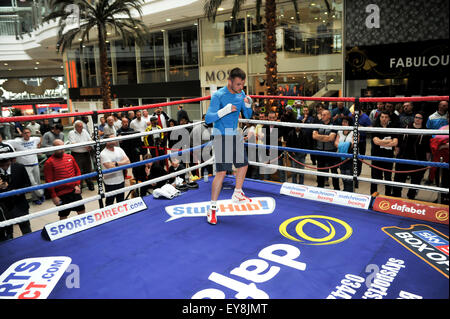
21, 20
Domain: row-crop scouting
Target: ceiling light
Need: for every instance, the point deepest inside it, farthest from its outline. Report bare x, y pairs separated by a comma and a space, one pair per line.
9, 69
80, 39
220, 9
37, 62
5, 64
168, 19
35, 67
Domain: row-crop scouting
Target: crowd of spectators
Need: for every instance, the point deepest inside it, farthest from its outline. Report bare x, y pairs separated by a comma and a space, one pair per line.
54, 165
391, 145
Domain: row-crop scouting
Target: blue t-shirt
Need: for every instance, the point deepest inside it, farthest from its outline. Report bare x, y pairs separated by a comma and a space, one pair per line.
228, 124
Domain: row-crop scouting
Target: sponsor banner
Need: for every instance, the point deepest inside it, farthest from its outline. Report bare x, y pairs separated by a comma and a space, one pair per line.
329, 230
425, 242
325, 195
410, 208
32, 278
97, 217
258, 206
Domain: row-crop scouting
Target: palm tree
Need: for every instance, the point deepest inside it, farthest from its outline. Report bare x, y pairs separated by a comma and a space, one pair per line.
102, 16
210, 10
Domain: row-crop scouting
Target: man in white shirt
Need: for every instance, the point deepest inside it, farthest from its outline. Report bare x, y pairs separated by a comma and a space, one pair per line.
109, 128
113, 156
81, 154
34, 128
161, 117
31, 162
139, 124
117, 121
146, 117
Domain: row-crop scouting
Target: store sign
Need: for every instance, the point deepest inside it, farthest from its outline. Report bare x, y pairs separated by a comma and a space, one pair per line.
425, 60
419, 61
217, 75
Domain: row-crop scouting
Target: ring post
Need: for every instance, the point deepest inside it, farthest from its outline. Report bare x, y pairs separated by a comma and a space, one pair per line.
356, 142
98, 164
439, 179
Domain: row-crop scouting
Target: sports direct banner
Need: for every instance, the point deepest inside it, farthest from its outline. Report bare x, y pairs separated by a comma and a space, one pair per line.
97, 217
411, 208
32, 278
326, 195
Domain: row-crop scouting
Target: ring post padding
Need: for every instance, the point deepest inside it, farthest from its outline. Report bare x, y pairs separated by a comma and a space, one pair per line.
97, 163
355, 143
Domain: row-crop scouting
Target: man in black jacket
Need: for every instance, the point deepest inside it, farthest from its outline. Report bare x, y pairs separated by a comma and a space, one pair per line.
272, 136
413, 147
148, 172
383, 145
325, 142
297, 138
133, 146
13, 176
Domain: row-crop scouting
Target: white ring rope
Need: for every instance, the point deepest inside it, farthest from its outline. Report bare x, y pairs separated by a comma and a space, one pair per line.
363, 179
347, 128
97, 197
93, 142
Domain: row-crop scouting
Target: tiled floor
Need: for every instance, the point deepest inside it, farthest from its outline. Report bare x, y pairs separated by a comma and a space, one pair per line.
364, 188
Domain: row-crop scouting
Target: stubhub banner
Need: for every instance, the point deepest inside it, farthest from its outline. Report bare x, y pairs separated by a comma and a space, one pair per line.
258, 206
326, 195
97, 217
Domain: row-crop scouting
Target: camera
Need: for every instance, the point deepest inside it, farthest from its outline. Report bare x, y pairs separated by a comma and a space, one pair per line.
5, 178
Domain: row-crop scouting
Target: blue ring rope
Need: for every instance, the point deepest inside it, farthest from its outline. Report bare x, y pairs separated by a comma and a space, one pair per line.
94, 174
162, 157
347, 155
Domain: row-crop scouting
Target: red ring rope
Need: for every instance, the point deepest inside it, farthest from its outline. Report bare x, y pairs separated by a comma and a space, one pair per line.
319, 168
392, 171
149, 106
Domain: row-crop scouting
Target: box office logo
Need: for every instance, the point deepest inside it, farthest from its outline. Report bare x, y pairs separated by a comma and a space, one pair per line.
316, 230
425, 242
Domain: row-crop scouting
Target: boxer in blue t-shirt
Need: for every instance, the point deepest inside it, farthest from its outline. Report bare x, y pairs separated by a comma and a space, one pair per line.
224, 109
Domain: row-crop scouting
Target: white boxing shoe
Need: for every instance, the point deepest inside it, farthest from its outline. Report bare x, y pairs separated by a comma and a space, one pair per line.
211, 216
240, 198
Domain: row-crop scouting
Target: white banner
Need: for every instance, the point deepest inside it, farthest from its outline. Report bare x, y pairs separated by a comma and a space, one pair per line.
258, 206
32, 278
326, 195
97, 217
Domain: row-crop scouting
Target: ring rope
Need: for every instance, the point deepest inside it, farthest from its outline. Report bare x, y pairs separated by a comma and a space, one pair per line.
363, 179
94, 174
318, 168
353, 99
349, 128
348, 155
394, 171
97, 197
92, 143
27, 118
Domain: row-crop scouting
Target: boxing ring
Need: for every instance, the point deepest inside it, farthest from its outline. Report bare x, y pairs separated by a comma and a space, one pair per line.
283, 246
